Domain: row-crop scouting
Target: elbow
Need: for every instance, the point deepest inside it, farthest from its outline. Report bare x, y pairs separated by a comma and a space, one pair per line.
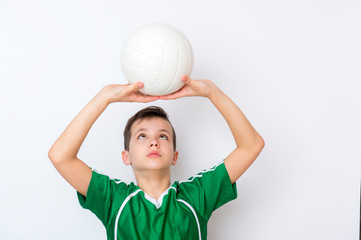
255, 146
258, 144
261, 142
55, 156
52, 156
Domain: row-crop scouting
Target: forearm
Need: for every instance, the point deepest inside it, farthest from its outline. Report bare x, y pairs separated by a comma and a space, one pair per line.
249, 142
244, 134
67, 146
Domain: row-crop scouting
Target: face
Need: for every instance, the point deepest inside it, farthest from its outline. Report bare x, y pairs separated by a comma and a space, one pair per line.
151, 145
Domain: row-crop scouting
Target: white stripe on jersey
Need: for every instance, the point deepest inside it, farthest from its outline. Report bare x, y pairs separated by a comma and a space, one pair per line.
200, 175
120, 211
195, 216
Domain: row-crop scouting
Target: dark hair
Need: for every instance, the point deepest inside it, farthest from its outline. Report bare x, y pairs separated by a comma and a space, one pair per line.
146, 113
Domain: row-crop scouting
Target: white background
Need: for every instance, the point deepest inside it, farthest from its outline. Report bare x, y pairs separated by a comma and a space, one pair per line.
293, 67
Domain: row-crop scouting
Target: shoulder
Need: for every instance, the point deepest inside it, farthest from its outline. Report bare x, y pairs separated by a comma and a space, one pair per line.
205, 180
101, 182
206, 173
208, 190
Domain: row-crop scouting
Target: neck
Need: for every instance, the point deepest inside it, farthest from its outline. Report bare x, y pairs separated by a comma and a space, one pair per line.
153, 183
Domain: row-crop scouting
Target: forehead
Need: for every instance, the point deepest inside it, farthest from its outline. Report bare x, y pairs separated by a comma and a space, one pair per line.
152, 124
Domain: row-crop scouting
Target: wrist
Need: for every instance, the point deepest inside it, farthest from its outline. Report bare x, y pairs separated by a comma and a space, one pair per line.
105, 95
213, 91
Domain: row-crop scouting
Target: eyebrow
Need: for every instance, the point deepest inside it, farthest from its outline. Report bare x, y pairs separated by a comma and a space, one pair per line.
145, 130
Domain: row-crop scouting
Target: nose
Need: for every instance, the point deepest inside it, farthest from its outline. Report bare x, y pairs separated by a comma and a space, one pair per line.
154, 143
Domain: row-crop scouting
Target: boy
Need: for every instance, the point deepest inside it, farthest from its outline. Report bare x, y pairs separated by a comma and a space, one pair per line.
155, 208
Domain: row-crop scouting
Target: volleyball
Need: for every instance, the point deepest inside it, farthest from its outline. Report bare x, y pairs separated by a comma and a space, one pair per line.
158, 55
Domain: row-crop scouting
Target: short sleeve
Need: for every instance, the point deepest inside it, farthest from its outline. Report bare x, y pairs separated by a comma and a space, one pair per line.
100, 195
209, 189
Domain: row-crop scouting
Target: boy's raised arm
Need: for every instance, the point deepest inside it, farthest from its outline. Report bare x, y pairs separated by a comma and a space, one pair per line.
249, 143
63, 153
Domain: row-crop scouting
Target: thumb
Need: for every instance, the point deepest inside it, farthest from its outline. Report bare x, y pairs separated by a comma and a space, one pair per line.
137, 85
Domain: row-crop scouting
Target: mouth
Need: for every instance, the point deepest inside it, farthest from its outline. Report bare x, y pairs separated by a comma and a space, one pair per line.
153, 155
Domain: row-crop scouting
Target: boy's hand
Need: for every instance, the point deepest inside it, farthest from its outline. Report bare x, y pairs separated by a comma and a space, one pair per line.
201, 87
127, 93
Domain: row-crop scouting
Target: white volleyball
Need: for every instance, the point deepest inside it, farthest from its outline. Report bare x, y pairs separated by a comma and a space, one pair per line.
158, 55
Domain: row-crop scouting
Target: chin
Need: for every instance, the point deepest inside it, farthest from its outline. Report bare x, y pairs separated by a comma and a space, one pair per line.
157, 166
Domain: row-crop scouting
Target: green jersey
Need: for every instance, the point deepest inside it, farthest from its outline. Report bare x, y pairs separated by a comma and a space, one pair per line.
182, 211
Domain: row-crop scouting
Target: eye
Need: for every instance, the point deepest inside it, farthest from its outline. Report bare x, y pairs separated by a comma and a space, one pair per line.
141, 136
163, 136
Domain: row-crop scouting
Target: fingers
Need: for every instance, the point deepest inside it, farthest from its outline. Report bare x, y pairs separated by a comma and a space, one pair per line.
172, 96
150, 99
146, 98
143, 98
183, 92
186, 79
167, 97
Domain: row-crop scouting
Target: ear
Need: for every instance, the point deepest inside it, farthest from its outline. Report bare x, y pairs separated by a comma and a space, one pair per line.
125, 156
175, 158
